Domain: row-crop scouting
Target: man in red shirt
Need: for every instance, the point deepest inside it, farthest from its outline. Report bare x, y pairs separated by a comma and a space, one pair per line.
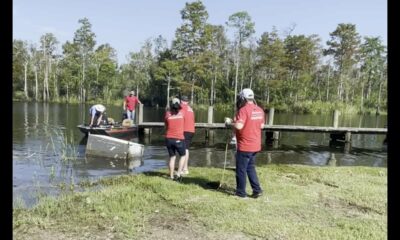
130, 103
188, 130
174, 138
248, 123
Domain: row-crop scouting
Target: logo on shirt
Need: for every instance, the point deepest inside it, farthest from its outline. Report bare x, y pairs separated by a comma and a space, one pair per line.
256, 115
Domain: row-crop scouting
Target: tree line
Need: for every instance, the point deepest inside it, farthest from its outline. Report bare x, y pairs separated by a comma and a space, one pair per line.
287, 71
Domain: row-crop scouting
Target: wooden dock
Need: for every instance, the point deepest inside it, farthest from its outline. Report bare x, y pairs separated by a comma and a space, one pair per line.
272, 132
282, 128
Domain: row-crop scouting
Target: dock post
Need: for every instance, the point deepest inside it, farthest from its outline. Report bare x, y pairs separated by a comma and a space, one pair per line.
276, 134
139, 118
347, 147
210, 114
271, 116
275, 144
209, 133
147, 132
347, 137
269, 120
336, 114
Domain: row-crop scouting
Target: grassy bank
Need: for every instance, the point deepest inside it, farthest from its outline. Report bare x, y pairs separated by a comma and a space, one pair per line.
300, 202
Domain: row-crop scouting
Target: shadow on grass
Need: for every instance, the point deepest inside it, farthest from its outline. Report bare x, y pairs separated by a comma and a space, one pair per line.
202, 182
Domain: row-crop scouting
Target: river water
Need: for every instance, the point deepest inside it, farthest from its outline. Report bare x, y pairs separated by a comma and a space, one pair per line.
49, 150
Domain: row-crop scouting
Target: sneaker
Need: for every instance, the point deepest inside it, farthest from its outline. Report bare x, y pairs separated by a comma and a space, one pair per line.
178, 178
185, 172
240, 197
256, 195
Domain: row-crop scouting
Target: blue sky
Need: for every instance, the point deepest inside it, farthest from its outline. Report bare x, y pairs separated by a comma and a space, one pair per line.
126, 24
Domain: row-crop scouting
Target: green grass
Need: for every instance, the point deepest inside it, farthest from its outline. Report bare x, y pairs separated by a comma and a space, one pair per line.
300, 202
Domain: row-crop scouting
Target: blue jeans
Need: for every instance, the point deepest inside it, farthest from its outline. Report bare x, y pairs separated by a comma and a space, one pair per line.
130, 114
245, 165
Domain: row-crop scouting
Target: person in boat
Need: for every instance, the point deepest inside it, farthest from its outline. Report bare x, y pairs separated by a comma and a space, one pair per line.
174, 137
188, 129
96, 113
130, 103
248, 122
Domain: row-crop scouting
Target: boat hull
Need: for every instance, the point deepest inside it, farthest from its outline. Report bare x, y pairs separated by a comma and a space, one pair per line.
112, 131
110, 147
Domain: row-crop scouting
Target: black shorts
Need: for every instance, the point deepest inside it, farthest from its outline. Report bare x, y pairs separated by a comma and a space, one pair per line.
174, 145
188, 138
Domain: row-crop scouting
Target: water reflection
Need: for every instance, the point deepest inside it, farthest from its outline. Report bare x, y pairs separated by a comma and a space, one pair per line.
332, 160
99, 163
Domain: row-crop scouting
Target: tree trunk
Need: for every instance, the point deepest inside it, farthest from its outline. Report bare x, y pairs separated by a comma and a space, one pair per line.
47, 82
378, 108
346, 91
168, 87
266, 77
25, 80
227, 75
212, 91
236, 76
45, 73
319, 91
362, 97
327, 87
192, 92
83, 97
290, 85
36, 84
97, 79
369, 86
55, 92
339, 90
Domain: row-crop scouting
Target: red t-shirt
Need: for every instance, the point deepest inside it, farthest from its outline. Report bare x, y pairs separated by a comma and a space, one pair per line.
189, 117
131, 102
174, 125
249, 137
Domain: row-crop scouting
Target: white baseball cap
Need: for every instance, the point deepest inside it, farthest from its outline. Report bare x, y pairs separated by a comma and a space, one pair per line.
247, 93
100, 108
175, 100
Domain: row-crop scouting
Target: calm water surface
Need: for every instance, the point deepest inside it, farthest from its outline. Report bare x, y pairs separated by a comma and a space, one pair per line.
49, 150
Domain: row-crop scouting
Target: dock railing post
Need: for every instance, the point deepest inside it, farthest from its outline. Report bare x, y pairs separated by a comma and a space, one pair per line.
139, 118
210, 114
271, 116
269, 120
336, 114
210, 119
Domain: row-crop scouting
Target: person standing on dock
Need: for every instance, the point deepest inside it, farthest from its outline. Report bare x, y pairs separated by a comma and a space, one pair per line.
96, 113
188, 129
248, 122
130, 103
174, 137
